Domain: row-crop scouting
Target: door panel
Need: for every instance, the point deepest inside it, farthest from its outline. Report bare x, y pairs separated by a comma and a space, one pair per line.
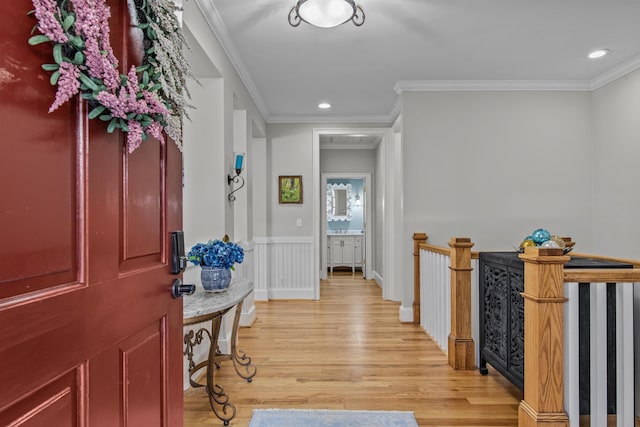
89, 332
142, 376
142, 206
53, 405
45, 155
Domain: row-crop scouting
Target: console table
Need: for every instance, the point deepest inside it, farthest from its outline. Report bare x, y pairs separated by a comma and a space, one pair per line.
205, 306
502, 319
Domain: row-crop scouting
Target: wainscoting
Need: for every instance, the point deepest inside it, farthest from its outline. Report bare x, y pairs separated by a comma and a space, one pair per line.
283, 268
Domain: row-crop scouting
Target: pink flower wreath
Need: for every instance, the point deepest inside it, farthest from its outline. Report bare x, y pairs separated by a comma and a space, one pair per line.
85, 64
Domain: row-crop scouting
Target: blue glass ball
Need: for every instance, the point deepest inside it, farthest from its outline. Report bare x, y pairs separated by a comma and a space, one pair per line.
540, 235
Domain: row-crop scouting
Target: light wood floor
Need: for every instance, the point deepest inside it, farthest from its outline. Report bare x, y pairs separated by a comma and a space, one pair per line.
349, 351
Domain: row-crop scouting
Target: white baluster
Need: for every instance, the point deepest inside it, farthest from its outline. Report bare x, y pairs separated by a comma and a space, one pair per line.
446, 304
624, 354
439, 308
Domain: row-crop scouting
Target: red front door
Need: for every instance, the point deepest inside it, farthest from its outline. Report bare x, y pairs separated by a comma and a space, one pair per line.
89, 332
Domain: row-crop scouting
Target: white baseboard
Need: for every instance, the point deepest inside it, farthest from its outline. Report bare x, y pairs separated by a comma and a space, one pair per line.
224, 343
248, 319
378, 279
261, 295
406, 314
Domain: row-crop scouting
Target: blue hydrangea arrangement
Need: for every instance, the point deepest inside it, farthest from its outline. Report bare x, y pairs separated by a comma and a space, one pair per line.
216, 253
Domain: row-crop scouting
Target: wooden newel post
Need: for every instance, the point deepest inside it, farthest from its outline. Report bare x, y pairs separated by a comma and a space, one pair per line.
461, 348
543, 338
418, 238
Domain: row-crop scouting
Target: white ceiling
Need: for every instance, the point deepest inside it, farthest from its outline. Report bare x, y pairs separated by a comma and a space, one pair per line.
423, 45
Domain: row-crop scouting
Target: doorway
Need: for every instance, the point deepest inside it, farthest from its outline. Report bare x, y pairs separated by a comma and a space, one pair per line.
346, 232
354, 152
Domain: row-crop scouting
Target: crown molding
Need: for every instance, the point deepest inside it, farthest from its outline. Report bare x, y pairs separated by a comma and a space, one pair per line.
488, 85
395, 110
616, 72
214, 20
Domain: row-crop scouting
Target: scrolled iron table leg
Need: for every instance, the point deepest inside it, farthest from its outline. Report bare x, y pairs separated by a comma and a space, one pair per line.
241, 362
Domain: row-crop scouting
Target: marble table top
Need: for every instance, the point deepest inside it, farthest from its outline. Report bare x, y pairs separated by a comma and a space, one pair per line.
203, 303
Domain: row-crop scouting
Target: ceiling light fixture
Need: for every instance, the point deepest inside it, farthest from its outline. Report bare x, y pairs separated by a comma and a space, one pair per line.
324, 105
598, 53
326, 13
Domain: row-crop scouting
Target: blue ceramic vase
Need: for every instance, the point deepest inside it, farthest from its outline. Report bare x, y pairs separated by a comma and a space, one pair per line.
215, 279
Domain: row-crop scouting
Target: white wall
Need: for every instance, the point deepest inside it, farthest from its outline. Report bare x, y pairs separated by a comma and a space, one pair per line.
258, 158
291, 146
291, 154
348, 161
232, 96
209, 144
204, 172
379, 217
493, 166
616, 118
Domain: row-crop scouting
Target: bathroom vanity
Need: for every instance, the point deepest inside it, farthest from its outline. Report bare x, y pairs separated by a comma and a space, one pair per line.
345, 250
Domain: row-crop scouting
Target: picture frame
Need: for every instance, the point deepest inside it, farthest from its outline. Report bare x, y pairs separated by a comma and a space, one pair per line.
290, 189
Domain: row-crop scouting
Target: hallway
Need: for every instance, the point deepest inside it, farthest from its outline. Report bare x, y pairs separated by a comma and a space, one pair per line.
349, 351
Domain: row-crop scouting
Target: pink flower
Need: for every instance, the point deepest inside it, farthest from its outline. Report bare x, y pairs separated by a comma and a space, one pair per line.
113, 103
92, 24
130, 97
132, 82
134, 136
86, 19
68, 84
154, 104
156, 131
100, 65
48, 24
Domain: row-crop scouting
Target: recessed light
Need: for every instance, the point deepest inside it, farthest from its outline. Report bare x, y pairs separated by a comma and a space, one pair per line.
324, 105
599, 53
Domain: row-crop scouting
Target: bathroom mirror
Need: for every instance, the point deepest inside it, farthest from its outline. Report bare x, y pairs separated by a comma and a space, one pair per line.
339, 202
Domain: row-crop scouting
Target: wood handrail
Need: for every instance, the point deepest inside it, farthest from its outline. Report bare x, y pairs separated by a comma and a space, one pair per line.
634, 262
475, 254
444, 251
434, 248
601, 275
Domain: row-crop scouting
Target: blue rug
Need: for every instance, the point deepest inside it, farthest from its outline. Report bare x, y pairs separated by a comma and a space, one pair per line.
329, 418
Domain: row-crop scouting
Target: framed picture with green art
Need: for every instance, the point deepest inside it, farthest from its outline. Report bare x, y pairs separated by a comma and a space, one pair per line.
290, 189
